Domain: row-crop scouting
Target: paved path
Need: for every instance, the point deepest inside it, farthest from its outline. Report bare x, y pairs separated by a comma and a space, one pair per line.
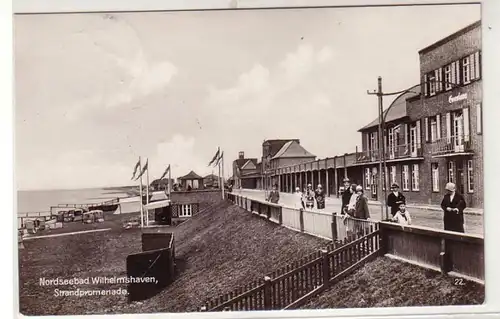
67, 234
420, 217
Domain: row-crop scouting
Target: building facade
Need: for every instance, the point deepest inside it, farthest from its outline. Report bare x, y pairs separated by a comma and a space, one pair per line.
432, 135
435, 137
451, 118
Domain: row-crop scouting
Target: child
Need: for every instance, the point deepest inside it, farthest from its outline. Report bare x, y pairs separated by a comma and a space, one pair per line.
402, 216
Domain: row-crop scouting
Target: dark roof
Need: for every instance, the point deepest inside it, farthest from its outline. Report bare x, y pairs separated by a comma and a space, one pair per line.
450, 37
247, 163
276, 144
242, 161
191, 175
292, 150
397, 111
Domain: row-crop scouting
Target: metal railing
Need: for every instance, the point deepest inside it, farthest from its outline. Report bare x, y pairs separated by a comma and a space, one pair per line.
452, 144
410, 150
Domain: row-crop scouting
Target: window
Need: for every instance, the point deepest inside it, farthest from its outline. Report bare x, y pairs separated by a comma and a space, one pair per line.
414, 178
185, 210
434, 129
367, 178
393, 175
470, 177
447, 77
435, 177
466, 70
432, 83
373, 141
451, 172
479, 119
405, 178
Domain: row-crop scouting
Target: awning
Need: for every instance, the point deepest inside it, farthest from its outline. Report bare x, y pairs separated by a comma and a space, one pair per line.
158, 204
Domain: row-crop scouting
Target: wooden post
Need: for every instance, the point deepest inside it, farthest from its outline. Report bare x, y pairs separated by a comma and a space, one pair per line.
334, 227
326, 268
327, 182
301, 219
280, 215
444, 258
267, 293
383, 240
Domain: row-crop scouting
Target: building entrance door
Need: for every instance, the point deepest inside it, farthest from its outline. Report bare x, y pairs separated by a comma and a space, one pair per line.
458, 132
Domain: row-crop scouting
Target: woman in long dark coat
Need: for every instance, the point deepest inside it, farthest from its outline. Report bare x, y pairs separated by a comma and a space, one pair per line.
453, 205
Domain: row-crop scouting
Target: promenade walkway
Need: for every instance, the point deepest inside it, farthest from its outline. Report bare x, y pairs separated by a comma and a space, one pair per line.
427, 216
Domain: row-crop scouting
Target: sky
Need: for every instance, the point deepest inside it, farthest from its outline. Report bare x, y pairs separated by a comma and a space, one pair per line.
94, 91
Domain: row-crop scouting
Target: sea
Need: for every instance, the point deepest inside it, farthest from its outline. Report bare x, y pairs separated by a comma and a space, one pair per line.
41, 200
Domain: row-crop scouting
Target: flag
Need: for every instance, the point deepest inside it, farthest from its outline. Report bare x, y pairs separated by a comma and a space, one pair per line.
220, 157
143, 170
166, 172
215, 157
136, 168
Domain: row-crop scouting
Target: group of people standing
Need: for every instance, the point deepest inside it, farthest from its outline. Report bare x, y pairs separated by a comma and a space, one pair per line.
309, 198
355, 203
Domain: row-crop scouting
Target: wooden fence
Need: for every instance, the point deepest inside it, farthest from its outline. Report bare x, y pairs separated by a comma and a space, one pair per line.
323, 224
294, 284
452, 253
354, 243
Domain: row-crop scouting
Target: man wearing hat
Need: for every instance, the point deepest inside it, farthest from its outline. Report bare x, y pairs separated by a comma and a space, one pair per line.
346, 195
453, 206
319, 193
394, 198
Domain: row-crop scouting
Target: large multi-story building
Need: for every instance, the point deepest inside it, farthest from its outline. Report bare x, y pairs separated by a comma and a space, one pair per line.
435, 137
432, 134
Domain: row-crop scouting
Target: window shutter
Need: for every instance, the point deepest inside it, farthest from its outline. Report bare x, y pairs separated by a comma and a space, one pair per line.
453, 73
419, 134
477, 64
466, 125
479, 119
457, 73
472, 67
426, 93
448, 127
426, 129
438, 126
439, 78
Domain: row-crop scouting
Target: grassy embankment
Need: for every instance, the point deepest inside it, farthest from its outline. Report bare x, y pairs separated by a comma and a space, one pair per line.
216, 252
390, 283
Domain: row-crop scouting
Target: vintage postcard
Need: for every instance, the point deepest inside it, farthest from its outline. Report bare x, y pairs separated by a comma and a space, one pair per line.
248, 160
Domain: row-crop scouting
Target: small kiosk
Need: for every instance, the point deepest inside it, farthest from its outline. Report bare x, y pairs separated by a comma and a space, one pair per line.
159, 209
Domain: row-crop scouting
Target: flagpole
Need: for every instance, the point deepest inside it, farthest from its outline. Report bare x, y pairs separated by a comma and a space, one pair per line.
169, 182
140, 195
147, 192
222, 164
218, 181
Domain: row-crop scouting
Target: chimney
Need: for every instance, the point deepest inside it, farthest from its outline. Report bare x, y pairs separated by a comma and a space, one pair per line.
241, 155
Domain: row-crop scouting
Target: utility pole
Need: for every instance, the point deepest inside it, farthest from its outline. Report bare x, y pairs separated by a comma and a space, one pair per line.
380, 141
